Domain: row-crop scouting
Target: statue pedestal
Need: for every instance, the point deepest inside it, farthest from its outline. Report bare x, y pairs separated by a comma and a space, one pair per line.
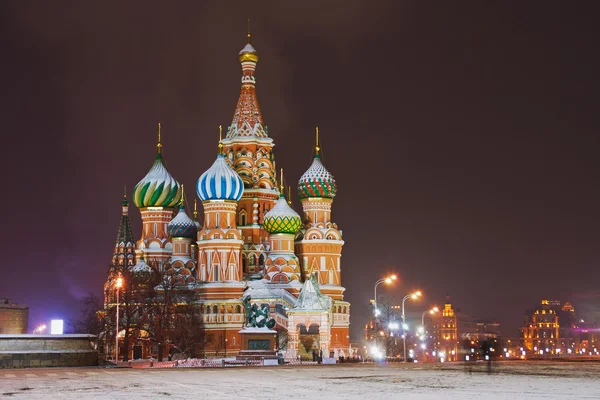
257, 344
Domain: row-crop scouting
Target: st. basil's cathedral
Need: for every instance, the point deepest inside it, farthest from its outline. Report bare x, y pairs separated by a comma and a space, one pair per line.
251, 242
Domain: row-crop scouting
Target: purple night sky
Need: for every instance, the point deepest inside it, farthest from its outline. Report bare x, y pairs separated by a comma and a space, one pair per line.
464, 137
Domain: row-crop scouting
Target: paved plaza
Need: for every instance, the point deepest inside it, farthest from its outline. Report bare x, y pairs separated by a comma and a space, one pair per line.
516, 380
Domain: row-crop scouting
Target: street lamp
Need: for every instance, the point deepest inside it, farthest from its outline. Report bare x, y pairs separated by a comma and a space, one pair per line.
118, 284
387, 280
413, 296
432, 311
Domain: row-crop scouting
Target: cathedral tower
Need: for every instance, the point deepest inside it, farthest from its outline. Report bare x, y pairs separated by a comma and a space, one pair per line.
248, 149
282, 223
219, 241
319, 243
183, 232
156, 195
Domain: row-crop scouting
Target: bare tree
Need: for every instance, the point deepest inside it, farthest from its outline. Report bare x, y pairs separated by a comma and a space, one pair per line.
88, 321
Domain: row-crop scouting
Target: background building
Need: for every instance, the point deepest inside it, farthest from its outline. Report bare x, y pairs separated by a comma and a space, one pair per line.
13, 317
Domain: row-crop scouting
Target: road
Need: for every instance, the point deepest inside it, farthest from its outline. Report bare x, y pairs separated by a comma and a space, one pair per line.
519, 380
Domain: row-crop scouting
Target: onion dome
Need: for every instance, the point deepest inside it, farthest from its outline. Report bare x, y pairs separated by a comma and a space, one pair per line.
141, 270
182, 225
220, 182
282, 218
249, 53
158, 188
317, 181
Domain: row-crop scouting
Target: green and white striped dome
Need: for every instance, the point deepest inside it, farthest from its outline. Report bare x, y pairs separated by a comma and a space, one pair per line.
158, 188
282, 219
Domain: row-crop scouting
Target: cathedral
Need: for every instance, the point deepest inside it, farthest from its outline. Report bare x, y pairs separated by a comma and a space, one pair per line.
250, 243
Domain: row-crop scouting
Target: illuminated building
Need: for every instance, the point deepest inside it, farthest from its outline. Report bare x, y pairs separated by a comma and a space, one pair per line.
13, 317
540, 333
251, 242
445, 334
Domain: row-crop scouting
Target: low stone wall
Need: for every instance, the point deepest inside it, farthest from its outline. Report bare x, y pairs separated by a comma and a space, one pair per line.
21, 351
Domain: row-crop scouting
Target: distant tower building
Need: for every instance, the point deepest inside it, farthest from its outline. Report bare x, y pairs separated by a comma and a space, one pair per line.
248, 149
446, 334
156, 195
319, 243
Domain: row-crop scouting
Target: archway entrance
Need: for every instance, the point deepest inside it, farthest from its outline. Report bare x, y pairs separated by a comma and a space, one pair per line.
308, 340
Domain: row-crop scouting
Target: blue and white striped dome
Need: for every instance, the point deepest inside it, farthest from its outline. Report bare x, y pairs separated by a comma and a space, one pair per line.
220, 182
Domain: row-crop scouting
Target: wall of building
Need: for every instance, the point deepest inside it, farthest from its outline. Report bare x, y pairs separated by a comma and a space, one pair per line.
22, 351
13, 317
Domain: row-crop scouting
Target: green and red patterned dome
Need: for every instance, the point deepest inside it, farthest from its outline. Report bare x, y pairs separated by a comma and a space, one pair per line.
317, 181
282, 218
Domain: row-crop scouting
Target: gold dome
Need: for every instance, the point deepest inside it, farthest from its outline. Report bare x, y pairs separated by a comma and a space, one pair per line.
248, 53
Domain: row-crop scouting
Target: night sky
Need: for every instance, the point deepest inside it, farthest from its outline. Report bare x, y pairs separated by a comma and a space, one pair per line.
463, 136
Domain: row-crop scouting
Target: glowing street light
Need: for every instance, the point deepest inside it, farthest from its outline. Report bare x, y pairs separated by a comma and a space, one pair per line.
118, 285
413, 296
431, 312
40, 329
387, 280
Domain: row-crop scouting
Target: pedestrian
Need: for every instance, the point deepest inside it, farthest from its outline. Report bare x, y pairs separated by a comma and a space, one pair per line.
314, 354
321, 356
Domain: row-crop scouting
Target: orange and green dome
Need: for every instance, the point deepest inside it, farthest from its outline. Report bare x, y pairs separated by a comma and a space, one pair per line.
282, 219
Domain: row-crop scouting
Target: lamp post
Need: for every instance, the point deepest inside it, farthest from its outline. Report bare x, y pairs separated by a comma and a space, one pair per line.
387, 280
118, 284
413, 296
431, 312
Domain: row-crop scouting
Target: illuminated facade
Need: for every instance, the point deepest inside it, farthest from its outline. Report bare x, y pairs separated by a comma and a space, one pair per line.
540, 333
251, 242
445, 334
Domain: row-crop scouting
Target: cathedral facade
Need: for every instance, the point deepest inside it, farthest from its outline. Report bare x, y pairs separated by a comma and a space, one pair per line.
250, 243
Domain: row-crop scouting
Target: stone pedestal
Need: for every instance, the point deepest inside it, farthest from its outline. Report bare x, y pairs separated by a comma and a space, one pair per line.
257, 344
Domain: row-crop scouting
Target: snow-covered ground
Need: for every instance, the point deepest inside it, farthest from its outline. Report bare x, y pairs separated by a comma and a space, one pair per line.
516, 380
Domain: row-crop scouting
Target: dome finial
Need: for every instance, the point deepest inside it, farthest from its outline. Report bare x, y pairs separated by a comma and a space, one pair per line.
182, 196
249, 35
317, 147
281, 184
125, 192
159, 144
195, 209
289, 195
220, 146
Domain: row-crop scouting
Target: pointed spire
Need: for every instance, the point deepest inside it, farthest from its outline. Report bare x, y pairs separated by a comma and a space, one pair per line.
317, 147
249, 35
159, 143
220, 139
125, 203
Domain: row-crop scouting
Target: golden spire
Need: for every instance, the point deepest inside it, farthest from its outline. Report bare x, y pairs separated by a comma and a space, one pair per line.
317, 147
281, 187
220, 139
182, 196
159, 144
249, 35
195, 209
289, 195
125, 192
